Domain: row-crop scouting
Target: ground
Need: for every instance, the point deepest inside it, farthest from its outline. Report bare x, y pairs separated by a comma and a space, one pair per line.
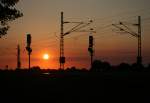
74, 87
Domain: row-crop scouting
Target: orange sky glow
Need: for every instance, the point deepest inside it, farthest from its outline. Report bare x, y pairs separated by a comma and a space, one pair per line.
42, 20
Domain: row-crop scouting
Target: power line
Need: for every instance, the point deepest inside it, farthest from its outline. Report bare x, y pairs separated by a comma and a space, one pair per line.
122, 27
79, 25
122, 14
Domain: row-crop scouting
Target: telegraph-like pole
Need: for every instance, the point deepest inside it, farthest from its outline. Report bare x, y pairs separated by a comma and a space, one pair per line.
18, 57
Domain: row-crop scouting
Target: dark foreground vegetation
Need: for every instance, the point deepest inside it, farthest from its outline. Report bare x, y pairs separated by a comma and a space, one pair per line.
102, 84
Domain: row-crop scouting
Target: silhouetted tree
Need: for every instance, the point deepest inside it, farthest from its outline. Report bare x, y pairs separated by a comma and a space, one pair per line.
35, 69
96, 65
124, 67
149, 65
137, 67
73, 68
8, 12
100, 66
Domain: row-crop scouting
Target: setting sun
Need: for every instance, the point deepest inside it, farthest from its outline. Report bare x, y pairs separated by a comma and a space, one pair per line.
45, 56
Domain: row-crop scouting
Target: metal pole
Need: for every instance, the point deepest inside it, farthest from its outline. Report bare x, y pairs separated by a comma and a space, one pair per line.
62, 43
29, 60
62, 34
91, 59
139, 58
18, 57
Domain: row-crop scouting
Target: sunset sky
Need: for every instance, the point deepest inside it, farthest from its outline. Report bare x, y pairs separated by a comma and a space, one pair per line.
42, 20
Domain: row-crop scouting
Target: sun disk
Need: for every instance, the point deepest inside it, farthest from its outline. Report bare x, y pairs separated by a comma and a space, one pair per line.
45, 56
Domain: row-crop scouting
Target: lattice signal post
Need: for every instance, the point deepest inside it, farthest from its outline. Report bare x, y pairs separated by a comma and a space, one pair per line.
138, 35
76, 28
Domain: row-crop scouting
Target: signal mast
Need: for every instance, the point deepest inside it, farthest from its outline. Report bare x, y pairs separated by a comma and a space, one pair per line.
28, 48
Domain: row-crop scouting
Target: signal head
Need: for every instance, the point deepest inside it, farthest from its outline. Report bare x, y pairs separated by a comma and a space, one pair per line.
28, 39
